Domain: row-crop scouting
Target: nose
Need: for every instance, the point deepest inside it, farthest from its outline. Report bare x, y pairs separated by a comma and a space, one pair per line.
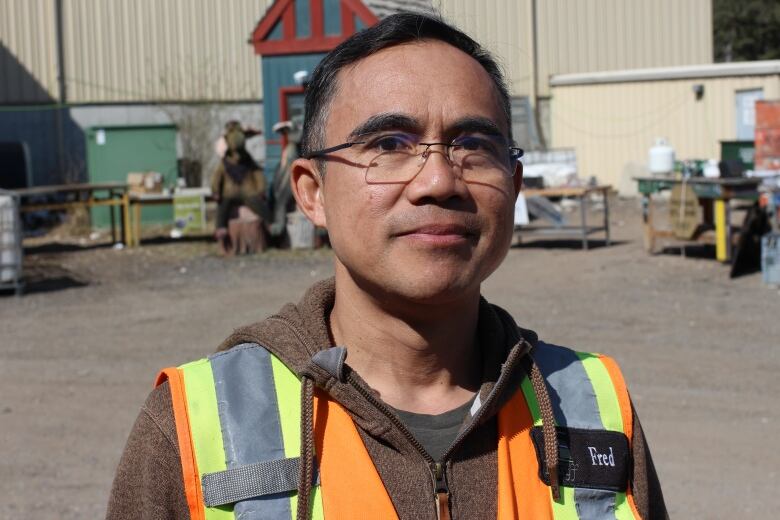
437, 179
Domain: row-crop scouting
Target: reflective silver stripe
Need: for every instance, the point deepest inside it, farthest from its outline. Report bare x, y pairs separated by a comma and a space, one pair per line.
250, 481
594, 504
571, 393
574, 405
249, 417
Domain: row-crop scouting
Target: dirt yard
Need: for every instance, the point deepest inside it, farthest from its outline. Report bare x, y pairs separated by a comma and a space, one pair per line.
79, 353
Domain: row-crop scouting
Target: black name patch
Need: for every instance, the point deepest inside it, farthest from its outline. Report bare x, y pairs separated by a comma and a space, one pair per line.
595, 459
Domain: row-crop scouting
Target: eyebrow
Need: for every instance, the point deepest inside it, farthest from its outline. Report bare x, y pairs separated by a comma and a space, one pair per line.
386, 121
478, 124
399, 121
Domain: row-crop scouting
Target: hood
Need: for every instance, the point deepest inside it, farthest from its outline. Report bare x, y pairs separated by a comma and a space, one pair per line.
295, 333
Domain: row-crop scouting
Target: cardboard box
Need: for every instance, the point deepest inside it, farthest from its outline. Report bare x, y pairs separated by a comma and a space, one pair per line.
145, 182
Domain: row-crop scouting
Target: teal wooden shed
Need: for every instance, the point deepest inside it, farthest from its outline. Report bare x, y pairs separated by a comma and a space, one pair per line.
293, 36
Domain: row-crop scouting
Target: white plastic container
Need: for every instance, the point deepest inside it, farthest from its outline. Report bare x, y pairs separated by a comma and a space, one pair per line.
661, 157
10, 250
300, 230
711, 169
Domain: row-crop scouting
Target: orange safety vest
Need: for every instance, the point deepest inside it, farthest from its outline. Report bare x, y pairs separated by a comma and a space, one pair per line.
210, 444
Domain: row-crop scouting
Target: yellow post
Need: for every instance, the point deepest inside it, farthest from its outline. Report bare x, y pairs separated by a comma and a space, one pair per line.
126, 220
721, 231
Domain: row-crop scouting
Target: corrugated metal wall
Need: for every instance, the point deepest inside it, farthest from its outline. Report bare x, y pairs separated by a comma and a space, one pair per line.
613, 126
502, 27
28, 51
621, 34
137, 50
130, 50
141, 50
582, 36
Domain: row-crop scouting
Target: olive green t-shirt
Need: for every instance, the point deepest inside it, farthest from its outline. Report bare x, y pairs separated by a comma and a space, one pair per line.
435, 432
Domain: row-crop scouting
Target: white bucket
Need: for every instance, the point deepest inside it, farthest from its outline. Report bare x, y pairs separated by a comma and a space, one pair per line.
10, 250
300, 230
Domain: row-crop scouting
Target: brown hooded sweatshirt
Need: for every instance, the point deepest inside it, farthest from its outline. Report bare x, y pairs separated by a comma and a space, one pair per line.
148, 482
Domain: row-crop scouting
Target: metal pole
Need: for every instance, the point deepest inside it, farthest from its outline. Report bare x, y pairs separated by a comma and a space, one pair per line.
63, 95
605, 194
534, 74
584, 220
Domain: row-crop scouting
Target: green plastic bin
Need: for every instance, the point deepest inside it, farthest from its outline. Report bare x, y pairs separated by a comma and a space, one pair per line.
743, 151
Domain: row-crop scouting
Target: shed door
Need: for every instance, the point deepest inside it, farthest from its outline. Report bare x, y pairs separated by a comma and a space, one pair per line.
746, 113
294, 104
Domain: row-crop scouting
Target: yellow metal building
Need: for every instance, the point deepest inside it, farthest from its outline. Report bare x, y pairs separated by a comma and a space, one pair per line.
136, 50
613, 118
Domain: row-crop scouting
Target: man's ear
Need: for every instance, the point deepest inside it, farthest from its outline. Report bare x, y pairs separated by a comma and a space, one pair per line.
307, 189
518, 177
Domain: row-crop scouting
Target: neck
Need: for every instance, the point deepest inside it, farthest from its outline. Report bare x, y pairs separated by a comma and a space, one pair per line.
419, 357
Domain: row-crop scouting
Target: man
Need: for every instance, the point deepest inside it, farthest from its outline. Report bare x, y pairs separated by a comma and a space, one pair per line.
394, 390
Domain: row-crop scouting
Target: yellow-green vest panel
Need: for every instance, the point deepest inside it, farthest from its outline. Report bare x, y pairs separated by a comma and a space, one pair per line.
244, 414
594, 457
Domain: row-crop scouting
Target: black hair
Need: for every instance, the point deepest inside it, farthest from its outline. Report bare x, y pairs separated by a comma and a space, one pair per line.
233, 124
393, 30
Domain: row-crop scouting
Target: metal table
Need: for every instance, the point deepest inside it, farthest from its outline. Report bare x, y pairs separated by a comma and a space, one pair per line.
582, 230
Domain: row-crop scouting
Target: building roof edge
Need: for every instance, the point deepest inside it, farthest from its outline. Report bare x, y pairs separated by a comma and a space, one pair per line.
711, 70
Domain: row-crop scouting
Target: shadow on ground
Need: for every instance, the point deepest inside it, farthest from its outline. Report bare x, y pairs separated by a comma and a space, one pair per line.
163, 240
567, 244
57, 283
698, 252
62, 247
43, 278
741, 265
45, 285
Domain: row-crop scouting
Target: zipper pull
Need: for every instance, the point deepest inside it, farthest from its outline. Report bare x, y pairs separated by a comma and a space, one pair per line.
441, 492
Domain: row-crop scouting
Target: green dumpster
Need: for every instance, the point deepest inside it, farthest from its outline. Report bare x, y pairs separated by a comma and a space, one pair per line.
115, 151
743, 151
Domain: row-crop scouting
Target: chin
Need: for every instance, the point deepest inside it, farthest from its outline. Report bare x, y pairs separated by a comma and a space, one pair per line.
434, 292
422, 277
431, 287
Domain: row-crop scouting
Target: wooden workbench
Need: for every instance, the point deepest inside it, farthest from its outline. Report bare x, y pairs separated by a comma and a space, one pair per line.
713, 193
139, 200
83, 195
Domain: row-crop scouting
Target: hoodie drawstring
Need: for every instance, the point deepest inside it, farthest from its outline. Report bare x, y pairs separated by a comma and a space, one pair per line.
548, 427
306, 468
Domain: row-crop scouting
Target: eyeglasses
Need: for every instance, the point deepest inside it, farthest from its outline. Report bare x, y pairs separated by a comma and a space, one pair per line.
398, 157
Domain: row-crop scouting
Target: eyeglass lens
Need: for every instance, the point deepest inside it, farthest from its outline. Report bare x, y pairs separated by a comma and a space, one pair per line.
472, 163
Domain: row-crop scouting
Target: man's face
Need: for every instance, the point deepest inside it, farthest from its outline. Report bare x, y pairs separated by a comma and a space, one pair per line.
437, 237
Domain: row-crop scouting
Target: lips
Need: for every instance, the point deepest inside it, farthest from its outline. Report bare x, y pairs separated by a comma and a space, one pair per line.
440, 229
440, 233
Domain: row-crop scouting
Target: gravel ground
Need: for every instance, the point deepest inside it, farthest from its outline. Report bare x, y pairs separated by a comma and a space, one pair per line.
78, 355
